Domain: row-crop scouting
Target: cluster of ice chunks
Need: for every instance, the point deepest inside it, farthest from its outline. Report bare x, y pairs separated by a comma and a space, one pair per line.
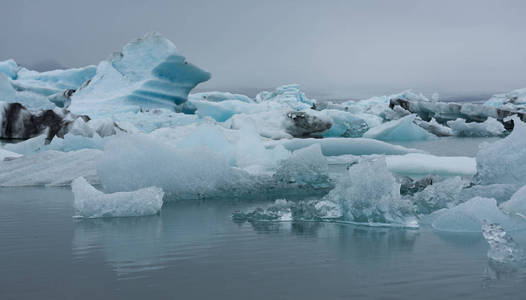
283, 210
488, 128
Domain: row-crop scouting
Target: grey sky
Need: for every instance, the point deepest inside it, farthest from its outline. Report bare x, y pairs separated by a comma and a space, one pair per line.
359, 48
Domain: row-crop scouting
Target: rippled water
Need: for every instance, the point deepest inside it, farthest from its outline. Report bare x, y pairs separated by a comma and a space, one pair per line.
195, 251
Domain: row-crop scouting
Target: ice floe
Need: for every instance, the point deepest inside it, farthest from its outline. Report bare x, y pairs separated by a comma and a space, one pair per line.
92, 203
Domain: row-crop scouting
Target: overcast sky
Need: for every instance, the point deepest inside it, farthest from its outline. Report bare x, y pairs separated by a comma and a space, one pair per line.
358, 47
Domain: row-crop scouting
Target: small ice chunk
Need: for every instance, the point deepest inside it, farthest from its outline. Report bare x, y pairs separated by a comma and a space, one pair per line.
403, 129
488, 128
415, 164
502, 247
92, 203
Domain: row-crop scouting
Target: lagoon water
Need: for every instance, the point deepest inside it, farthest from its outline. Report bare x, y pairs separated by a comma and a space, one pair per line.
193, 250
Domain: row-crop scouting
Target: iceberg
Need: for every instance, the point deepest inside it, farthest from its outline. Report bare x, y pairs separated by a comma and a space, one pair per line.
37, 90
92, 203
517, 203
303, 124
17, 122
290, 95
403, 129
488, 128
140, 161
438, 195
343, 146
50, 168
434, 127
418, 164
148, 73
503, 161
513, 100
471, 215
306, 167
370, 195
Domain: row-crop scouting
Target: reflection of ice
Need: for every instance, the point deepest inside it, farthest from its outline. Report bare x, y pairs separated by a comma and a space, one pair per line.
138, 244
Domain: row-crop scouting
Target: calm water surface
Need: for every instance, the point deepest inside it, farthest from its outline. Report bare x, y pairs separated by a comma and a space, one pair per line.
195, 251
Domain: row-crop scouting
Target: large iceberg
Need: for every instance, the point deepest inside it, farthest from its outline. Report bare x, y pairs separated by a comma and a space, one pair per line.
148, 73
92, 203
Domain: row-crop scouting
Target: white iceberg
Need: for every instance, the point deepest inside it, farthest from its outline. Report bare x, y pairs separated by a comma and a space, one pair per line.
488, 128
148, 73
92, 203
418, 164
343, 146
403, 129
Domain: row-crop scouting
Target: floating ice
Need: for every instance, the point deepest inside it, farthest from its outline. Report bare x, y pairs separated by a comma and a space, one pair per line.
50, 168
92, 203
517, 203
403, 129
346, 124
139, 161
490, 127
502, 247
471, 215
438, 195
515, 100
306, 168
290, 95
504, 161
434, 127
370, 195
417, 164
148, 73
343, 146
